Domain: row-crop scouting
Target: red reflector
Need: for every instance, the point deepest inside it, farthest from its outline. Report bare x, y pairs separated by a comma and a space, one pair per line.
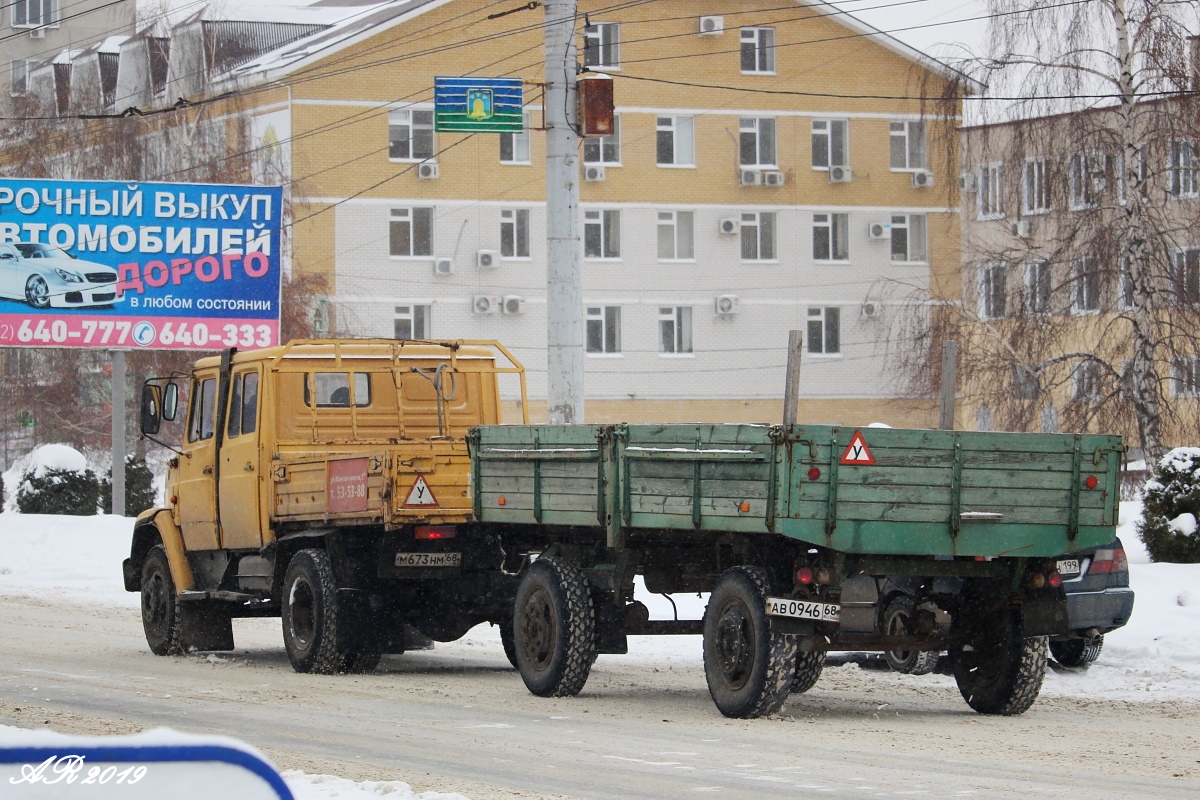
1091, 482
814, 474
1055, 580
804, 576
433, 532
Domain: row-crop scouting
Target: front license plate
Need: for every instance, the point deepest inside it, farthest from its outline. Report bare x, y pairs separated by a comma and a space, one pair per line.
803, 609
428, 559
1068, 567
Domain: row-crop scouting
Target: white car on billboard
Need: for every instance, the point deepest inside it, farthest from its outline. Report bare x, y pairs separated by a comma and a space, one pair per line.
49, 277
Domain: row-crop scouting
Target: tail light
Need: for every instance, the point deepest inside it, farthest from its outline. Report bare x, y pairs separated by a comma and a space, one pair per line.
804, 576
433, 532
1054, 579
1109, 559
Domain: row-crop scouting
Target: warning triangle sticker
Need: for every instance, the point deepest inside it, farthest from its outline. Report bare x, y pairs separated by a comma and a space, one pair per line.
857, 451
420, 494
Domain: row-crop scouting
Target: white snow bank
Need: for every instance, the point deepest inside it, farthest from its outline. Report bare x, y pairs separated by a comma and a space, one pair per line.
74, 557
316, 787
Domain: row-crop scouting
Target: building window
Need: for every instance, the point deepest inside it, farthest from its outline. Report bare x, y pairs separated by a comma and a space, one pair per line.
1035, 186
412, 322
989, 198
675, 236
908, 238
1085, 286
758, 236
1185, 374
758, 50
1038, 275
19, 84
1125, 296
514, 147
757, 141
604, 149
675, 142
831, 237
1025, 383
1181, 171
1085, 380
993, 295
1087, 177
675, 330
34, 13
514, 233
411, 232
410, 135
604, 329
825, 330
830, 143
602, 45
602, 234
908, 144
1186, 277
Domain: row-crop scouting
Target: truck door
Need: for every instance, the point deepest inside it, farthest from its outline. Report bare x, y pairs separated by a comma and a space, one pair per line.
241, 473
197, 491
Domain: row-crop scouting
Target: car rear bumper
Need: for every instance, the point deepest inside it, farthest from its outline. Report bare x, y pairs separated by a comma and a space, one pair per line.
1106, 610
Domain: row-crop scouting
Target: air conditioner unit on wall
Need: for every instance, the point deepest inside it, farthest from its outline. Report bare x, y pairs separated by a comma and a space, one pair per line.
773, 178
37, 33
750, 177
879, 230
486, 259
513, 304
729, 226
922, 179
712, 26
966, 182
443, 266
485, 304
428, 171
840, 174
870, 310
725, 305
593, 173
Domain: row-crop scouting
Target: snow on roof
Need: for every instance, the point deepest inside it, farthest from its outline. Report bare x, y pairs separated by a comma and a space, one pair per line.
267, 12
112, 44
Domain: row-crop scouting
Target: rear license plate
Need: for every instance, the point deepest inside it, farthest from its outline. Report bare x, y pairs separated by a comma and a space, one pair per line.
428, 559
1068, 567
803, 609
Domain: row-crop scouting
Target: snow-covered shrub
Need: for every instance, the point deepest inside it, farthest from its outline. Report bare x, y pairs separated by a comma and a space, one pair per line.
139, 488
1171, 507
58, 491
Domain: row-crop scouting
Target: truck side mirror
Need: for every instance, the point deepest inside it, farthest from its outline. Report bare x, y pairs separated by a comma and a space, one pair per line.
170, 402
151, 408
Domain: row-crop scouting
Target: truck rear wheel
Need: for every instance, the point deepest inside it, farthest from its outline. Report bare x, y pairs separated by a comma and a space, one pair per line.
750, 669
161, 618
310, 614
999, 671
508, 642
554, 628
898, 620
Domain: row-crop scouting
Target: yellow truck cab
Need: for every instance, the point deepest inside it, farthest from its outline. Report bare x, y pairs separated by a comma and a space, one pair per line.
326, 482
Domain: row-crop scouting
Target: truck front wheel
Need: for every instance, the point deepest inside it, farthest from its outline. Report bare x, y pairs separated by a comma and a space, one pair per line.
310, 614
997, 670
750, 668
160, 605
554, 628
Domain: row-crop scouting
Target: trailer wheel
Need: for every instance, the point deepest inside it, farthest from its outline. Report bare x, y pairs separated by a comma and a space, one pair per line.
310, 614
898, 620
808, 670
554, 628
998, 671
1077, 652
508, 642
750, 669
161, 618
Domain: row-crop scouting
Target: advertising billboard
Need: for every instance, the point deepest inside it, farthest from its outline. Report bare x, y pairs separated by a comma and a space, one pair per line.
101, 264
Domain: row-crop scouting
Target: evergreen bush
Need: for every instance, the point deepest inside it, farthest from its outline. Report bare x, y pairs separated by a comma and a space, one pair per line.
58, 491
1171, 503
139, 488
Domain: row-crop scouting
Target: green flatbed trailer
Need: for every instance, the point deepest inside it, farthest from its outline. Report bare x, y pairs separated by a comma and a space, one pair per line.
771, 520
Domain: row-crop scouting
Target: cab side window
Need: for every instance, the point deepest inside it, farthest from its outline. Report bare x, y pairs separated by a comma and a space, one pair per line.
333, 389
203, 406
243, 404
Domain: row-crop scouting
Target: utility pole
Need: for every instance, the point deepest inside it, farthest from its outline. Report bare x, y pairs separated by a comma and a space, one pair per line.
118, 433
564, 269
791, 391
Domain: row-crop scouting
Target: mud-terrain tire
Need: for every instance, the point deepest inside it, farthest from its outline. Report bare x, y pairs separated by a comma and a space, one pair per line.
750, 669
554, 628
898, 619
1000, 672
508, 642
310, 614
161, 618
808, 670
1077, 652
